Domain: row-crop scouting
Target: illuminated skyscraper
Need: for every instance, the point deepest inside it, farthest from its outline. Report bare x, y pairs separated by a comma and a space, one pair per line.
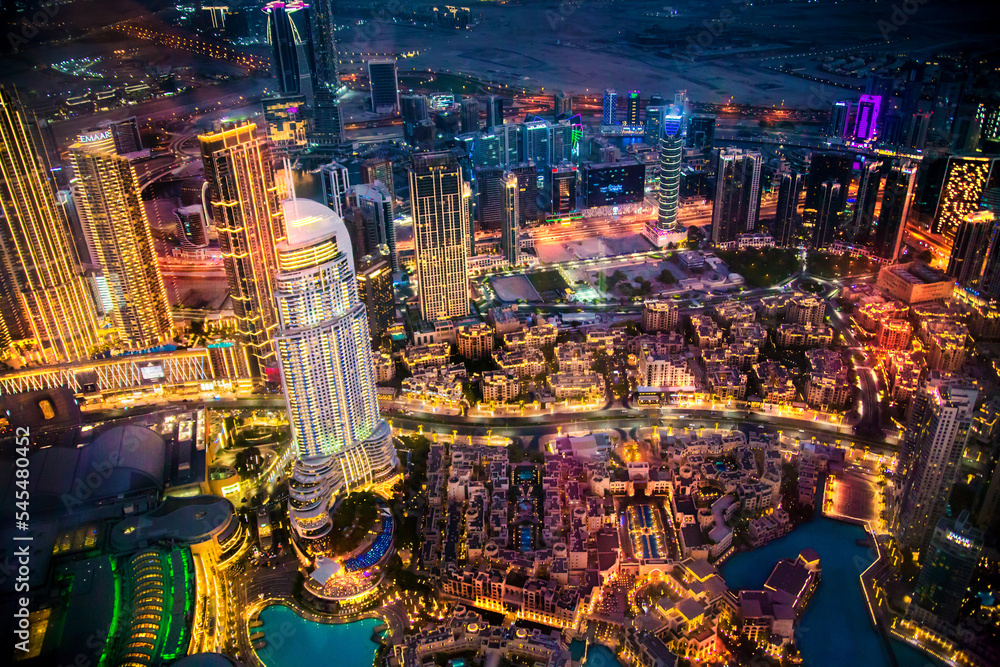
822, 212
863, 217
511, 229
671, 148
375, 205
700, 131
375, 291
106, 190
896, 196
537, 147
384, 84
736, 207
632, 110
44, 296
965, 181
971, 247
289, 32
335, 181
951, 558
327, 368
866, 117
248, 217
941, 431
840, 115
825, 217
653, 125
610, 114
379, 169
441, 233
324, 43
562, 189
328, 124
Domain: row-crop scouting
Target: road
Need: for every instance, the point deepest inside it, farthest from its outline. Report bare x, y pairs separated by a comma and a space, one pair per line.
530, 429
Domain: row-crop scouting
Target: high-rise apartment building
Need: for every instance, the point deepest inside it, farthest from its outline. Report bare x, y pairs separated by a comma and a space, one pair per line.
250, 223
441, 232
489, 197
375, 291
862, 221
510, 242
700, 131
109, 203
943, 584
384, 83
786, 215
328, 124
562, 189
942, 429
286, 120
470, 115
125, 134
379, 169
375, 205
527, 190
537, 144
825, 203
413, 109
825, 217
736, 208
973, 242
896, 196
653, 125
494, 111
328, 370
610, 112
44, 299
840, 116
335, 181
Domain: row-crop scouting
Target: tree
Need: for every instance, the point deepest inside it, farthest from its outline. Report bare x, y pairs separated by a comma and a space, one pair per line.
666, 277
616, 277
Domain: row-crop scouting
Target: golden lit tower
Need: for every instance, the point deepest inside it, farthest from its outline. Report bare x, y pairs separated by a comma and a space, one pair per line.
439, 202
106, 192
48, 300
247, 214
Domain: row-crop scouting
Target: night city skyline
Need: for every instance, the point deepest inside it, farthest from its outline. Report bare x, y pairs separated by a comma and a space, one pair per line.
594, 333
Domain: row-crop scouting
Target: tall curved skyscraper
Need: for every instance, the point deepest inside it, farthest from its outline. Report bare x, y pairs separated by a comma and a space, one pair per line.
325, 354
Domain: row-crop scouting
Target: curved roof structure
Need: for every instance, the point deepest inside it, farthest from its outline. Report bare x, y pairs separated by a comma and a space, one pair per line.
191, 520
122, 460
307, 222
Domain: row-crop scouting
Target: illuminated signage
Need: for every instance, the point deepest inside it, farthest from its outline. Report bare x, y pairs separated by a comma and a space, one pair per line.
152, 373
94, 137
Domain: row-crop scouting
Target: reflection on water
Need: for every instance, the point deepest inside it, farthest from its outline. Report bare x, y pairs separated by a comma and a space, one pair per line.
293, 641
